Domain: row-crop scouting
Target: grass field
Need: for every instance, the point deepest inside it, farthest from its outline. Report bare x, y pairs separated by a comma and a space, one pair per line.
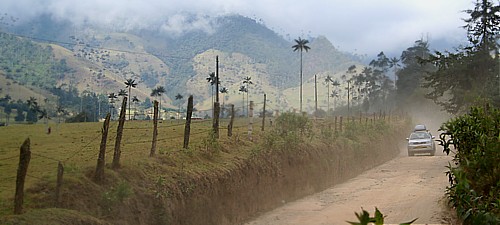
76, 145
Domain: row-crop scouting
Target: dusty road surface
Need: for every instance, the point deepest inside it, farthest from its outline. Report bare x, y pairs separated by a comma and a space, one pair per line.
403, 189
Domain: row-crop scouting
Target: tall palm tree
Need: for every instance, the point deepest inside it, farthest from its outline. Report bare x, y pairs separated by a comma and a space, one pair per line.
223, 91
112, 97
334, 95
135, 100
122, 93
161, 91
328, 81
301, 46
247, 81
394, 62
179, 97
336, 85
243, 89
130, 83
211, 79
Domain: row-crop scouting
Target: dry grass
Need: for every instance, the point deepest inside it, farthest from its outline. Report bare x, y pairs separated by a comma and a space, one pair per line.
77, 146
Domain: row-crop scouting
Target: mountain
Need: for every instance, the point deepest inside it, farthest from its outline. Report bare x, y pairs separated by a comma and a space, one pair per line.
100, 59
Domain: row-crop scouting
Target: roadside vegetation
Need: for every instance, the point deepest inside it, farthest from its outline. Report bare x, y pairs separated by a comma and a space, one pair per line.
474, 141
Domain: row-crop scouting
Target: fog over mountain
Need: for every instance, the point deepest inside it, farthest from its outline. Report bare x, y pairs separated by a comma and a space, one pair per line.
366, 27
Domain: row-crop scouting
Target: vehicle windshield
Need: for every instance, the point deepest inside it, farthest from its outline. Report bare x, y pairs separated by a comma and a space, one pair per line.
420, 135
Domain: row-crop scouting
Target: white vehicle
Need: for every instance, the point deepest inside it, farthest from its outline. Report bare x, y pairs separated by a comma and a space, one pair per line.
421, 142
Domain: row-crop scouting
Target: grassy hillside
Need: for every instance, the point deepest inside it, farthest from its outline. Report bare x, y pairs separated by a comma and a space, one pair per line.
97, 60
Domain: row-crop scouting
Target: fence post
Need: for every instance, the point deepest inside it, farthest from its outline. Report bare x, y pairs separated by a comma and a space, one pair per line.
119, 134
264, 114
155, 129
60, 173
22, 169
250, 122
187, 128
101, 160
216, 119
230, 125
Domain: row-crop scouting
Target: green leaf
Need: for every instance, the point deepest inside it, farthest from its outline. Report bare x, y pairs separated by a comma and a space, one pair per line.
379, 218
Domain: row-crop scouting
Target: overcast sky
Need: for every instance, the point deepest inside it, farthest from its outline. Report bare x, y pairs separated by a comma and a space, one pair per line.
361, 26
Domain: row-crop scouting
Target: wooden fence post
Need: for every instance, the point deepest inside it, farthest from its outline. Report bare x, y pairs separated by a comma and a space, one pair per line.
264, 114
119, 134
155, 129
187, 128
60, 173
22, 169
230, 125
101, 160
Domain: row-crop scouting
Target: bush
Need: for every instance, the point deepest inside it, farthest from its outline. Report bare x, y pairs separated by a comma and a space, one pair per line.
475, 176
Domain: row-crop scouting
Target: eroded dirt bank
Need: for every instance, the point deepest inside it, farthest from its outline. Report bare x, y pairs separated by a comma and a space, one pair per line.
403, 189
268, 181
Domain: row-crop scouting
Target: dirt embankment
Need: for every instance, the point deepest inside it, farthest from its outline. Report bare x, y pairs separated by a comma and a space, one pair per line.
270, 180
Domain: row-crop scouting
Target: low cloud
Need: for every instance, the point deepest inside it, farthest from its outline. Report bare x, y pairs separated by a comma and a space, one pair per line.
366, 25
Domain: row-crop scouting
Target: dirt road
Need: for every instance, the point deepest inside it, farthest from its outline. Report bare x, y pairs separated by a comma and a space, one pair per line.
403, 189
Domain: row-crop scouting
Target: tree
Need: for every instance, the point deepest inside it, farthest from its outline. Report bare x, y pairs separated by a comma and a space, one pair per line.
20, 117
301, 45
469, 76
412, 73
34, 108
247, 81
394, 63
112, 97
122, 93
130, 83
223, 91
158, 92
178, 98
242, 90
328, 81
7, 109
135, 100
211, 79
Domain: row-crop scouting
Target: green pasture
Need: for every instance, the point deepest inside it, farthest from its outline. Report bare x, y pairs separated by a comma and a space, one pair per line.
76, 145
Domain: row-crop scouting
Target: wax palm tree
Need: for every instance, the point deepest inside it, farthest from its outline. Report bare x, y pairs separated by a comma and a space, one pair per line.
394, 62
179, 97
135, 100
328, 81
122, 93
223, 91
336, 85
243, 89
130, 83
112, 97
301, 46
247, 81
157, 93
211, 79
335, 95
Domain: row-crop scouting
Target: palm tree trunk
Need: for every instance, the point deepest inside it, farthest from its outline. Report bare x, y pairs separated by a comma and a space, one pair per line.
328, 98
300, 81
129, 97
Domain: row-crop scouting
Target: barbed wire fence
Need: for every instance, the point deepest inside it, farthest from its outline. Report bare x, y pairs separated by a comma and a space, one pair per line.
49, 166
